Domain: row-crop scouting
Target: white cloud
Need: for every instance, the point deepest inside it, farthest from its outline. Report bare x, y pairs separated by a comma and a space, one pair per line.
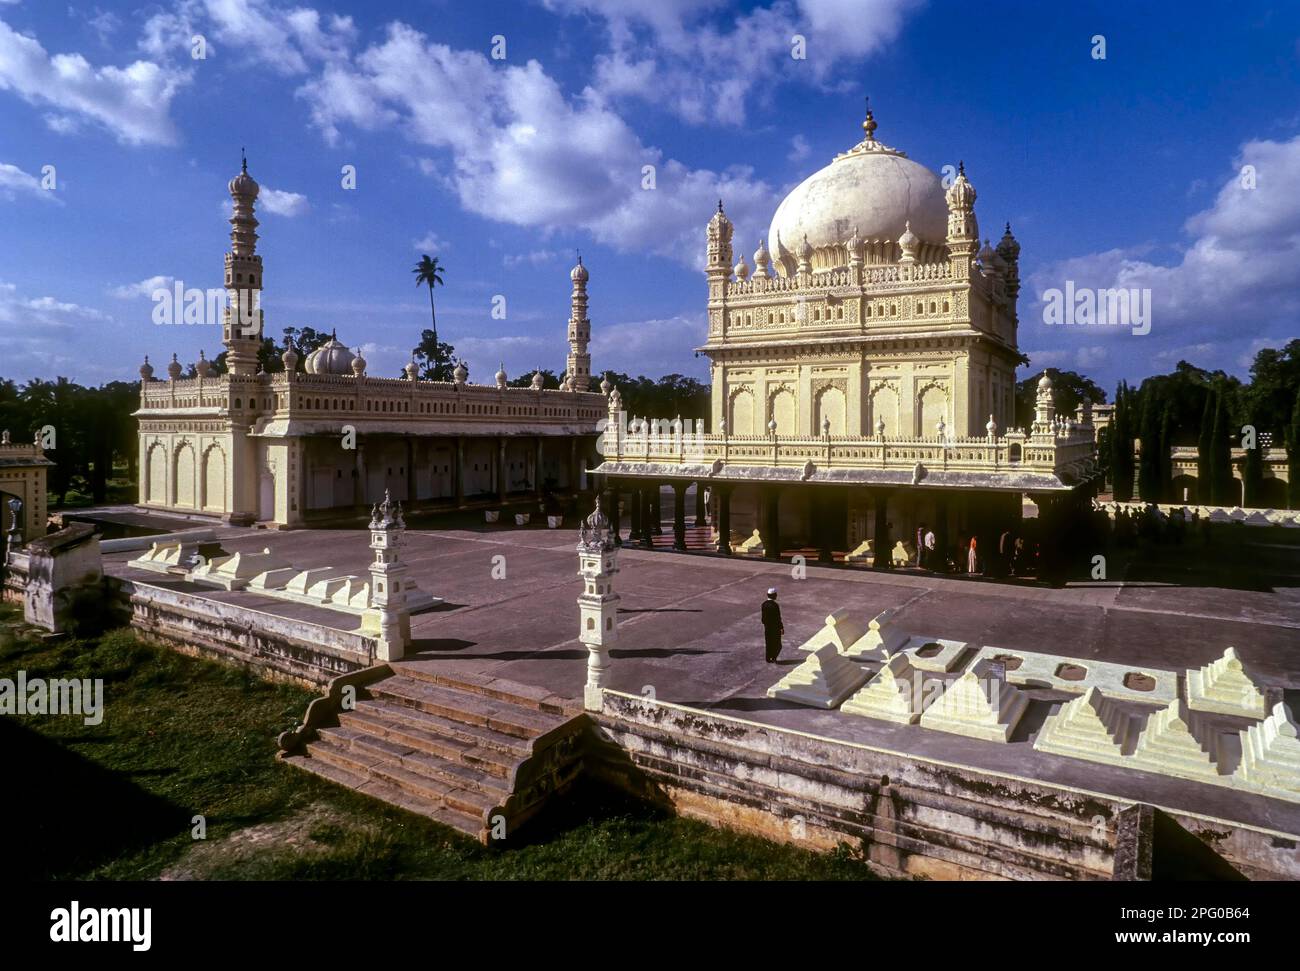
281, 203
1235, 286
144, 288
799, 149
705, 65
533, 258
132, 102
44, 336
286, 41
430, 243
650, 347
523, 153
15, 183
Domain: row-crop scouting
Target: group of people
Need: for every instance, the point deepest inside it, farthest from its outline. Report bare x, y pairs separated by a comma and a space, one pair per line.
1014, 554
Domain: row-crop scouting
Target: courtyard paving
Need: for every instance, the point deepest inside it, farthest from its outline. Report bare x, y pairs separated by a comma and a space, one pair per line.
689, 630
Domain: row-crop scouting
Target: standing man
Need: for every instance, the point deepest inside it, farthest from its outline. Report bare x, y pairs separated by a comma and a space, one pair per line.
929, 551
920, 546
772, 626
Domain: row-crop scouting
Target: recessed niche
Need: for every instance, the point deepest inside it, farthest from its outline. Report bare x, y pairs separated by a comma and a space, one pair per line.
1009, 661
1137, 681
1071, 672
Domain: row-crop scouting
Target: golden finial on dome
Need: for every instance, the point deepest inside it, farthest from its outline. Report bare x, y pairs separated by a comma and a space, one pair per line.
869, 126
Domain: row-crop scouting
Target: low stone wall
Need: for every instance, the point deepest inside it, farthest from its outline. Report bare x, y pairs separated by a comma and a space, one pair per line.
913, 817
277, 647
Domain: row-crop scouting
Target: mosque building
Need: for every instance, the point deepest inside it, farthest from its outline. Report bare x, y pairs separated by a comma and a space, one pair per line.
327, 439
863, 374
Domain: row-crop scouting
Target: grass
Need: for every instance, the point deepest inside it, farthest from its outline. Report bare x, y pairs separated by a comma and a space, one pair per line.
183, 737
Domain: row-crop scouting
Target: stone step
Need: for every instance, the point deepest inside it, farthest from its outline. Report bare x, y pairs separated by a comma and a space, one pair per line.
478, 735
499, 689
465, 823
386, 751
472, 803
468, 708
375, 722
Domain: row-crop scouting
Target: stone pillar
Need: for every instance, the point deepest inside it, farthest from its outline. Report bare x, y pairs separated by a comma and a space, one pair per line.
503, 483
724, 519
656, 513
537, 469
410, 469
772, 524
884, 540
821, 515
575, 476
679, 516
648, 517
598, 603
359, 480
634, 528
387, 619
701, 516
612, 499
458, 471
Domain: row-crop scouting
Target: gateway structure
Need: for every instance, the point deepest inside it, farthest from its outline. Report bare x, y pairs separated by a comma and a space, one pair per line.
863, 373
323, 437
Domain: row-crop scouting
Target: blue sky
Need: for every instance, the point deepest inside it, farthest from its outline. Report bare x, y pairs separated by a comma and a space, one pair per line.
1116, 172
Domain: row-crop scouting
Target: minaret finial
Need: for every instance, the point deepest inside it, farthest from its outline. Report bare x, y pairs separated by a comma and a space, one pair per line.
719, 205
244, 159
961, 168
869, 125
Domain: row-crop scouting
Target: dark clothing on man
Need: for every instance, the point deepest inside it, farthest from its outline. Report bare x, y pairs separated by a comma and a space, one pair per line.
772, 629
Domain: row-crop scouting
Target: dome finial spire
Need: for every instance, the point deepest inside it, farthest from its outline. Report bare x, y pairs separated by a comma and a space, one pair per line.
719, 205
869, 125
243, 156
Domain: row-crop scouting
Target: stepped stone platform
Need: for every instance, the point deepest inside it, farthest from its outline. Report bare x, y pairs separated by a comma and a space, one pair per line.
478, 755
689, 634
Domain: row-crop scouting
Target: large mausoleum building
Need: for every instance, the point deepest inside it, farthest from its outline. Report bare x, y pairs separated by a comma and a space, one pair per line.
863, 373
326, 438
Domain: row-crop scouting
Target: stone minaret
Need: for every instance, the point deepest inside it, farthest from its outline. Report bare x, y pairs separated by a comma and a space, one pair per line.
579, 361
718, 269
388, 619
598, 603
1009, 250
242, 326
963, 230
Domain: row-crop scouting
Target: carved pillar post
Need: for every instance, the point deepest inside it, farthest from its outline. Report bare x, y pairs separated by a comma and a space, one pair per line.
503, 484
772, 525
458, 471
701, 518
724, 519
679, 516
647, 518
612, 497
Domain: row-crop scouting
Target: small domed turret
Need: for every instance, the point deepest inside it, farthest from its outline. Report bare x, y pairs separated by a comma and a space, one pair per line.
174, 369
244, 184
146, 370
289, 357
358, 364
1008, 247
605, 385
761, 259
412, 371
203, 368
908, 242
538, 380
961, 194
460, 375
579, 272
501, 376
742, 269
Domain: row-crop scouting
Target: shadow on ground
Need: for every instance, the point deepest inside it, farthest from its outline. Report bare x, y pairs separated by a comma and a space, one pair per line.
65, 815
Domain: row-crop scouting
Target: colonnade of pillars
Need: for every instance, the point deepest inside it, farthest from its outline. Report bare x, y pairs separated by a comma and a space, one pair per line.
985, 518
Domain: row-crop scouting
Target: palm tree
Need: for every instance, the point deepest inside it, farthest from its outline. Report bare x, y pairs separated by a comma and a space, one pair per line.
429, 273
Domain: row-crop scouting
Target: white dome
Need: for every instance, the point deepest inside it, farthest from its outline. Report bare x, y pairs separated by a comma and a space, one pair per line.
332, 357
872, 189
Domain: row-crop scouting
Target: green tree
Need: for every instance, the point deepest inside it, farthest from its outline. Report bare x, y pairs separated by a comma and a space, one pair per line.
1293, 456
550, 380
1069, 389
1221, 484
435, 359
1149, 436
1122, 444
1252, 470
1205, 451
429, 273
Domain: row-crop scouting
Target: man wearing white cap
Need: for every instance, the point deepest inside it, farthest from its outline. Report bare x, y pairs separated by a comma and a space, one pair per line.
772, 626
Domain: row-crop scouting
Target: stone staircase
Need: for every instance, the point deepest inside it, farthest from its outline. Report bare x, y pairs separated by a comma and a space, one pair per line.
473, 753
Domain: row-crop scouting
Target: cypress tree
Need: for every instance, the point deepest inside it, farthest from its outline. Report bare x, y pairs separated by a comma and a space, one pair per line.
1293, 457
1166, 458
1122, 445
1204, 450
1221, 487
1149, 433
1252, 470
